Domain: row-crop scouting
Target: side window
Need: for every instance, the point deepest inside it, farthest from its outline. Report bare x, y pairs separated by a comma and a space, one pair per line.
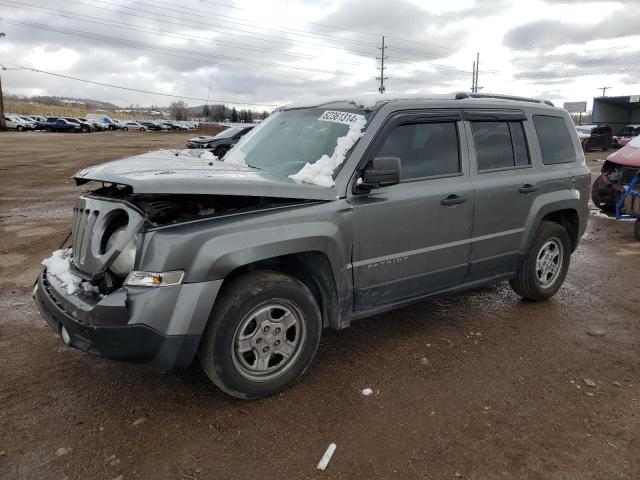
500, 145
424, 149
555, 141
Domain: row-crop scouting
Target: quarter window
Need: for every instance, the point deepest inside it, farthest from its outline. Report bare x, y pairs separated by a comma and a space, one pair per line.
424, 149
555, 141
500, 145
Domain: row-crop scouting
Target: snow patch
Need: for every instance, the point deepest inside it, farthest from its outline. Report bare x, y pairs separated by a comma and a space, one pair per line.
208, 156
367, 392
321, 171
635, 142
59, 265
235, 157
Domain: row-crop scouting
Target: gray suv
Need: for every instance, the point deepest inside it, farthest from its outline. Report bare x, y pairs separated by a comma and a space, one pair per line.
324, 214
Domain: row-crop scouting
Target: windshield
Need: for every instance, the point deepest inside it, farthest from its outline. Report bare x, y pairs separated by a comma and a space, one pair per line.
586, 130
286, 141
229, 132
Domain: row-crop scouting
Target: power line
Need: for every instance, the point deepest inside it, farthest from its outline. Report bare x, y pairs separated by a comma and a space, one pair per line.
165, 50
164, 33
120, 87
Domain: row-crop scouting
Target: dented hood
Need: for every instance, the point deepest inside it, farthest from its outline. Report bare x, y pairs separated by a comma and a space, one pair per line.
185, 172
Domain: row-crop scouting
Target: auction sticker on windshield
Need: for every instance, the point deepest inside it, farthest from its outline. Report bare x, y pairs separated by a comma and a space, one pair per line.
340, 117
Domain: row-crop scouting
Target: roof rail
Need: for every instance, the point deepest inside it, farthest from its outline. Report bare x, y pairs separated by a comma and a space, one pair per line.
461, 95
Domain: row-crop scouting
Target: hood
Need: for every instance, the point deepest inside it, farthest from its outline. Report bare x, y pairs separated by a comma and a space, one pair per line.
629, 155
203, 139
184, 172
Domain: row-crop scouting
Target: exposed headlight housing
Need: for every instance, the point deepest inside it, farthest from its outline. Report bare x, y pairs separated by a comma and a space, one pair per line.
124, 262
154, 279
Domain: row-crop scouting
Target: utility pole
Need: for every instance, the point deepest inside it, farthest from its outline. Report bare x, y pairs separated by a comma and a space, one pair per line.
382, 58
477, 69
3, 126
473, 78
604, 90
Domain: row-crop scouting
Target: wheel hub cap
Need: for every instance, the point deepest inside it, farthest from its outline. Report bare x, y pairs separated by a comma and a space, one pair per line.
268, 340
549, 262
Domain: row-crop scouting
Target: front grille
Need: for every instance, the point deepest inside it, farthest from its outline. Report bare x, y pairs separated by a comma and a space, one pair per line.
84, 220
628, 173
91, 220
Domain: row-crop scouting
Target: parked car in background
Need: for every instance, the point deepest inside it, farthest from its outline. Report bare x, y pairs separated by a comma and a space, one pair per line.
85, 127
16, 123
55, 124
595, 136
329, 212
221, 143
625, 135
153, 126
29, 120
97, 126
131, 125
105, 120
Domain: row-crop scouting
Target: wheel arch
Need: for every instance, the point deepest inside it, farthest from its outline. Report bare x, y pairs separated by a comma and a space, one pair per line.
312, 268
570, 213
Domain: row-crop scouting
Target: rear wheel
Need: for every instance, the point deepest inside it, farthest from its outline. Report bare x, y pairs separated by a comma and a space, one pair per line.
19, 128
262, 335
142, 129
126, 129
585, 146
544, 266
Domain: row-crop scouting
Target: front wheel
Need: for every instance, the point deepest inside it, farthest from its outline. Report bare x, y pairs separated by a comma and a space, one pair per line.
142, 129
598, 189
545, 265
126, 129
262, 335
19, 128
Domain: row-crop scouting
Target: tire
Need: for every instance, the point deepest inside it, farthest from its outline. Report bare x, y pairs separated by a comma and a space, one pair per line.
606, 146
142, 129
19, 128
220, 151
528, 282
598, 185
49, 129
126, 129
585, 146
237, 312
85, 130
636, 229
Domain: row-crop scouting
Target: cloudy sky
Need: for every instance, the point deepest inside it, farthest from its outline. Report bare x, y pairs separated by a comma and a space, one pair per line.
273, 52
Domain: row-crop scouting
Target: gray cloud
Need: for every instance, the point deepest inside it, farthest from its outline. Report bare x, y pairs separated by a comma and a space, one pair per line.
551, 32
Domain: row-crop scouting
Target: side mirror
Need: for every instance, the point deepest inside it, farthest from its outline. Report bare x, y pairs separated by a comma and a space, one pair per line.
382, 172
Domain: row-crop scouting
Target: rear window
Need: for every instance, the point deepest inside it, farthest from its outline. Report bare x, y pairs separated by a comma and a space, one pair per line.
500, 145
555, 140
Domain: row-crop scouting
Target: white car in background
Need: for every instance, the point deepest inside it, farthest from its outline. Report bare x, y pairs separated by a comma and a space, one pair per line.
131, 125
16, 123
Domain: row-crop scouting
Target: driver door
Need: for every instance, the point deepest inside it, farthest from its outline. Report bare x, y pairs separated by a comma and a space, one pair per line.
413, 239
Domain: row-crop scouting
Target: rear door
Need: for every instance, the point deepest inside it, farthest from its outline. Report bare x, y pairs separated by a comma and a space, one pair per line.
505, 189
413, 238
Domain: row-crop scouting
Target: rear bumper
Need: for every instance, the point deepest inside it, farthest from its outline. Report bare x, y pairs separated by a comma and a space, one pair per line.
120, 333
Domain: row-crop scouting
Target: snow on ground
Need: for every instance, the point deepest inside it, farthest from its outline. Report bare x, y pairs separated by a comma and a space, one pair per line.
59, 265
321, 171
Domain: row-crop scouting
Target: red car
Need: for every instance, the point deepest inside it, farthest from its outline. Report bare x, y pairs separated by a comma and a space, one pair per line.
618, 170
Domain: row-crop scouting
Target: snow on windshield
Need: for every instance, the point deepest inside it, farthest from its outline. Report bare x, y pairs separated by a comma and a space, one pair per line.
321, 171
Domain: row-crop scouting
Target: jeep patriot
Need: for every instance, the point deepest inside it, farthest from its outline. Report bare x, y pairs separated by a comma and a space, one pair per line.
325, 213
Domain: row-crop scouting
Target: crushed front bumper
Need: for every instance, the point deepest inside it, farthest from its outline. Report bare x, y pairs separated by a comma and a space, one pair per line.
158, 327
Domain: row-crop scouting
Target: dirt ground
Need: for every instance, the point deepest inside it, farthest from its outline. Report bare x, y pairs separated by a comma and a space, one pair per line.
479, 385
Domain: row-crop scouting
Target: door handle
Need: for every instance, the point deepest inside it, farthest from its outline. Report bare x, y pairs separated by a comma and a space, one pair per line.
453, 199
528, 188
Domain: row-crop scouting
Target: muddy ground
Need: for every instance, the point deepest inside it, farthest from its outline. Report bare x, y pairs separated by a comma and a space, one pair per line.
479, 385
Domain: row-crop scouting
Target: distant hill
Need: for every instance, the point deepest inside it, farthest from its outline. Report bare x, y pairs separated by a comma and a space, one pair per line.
85, 103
